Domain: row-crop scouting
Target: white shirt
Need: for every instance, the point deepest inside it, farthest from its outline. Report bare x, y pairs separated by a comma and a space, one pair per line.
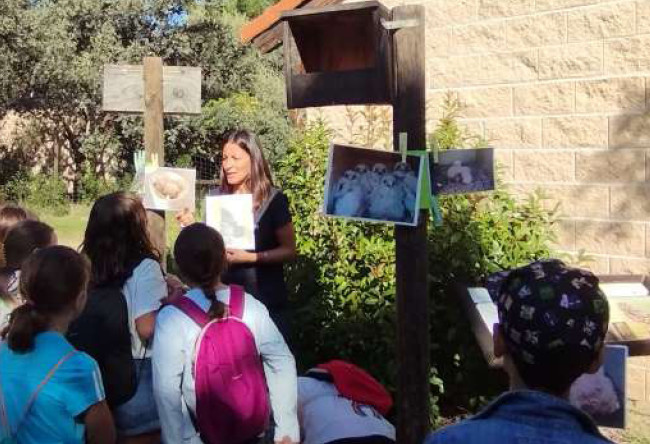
173, 351
143, 292
327, 416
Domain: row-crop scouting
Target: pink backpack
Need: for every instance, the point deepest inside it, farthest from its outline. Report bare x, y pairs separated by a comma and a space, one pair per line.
232, 401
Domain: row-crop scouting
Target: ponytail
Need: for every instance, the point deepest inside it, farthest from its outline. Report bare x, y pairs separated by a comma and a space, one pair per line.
217, 308
25, 323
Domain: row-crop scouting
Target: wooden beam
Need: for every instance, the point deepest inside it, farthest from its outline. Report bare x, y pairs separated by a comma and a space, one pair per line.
123, 89
411, 243
154, 139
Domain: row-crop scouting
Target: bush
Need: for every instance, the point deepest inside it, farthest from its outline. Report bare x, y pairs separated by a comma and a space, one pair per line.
39, 192
343, 284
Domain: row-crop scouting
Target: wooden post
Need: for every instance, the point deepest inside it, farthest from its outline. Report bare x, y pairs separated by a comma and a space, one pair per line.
154, 138
411, 243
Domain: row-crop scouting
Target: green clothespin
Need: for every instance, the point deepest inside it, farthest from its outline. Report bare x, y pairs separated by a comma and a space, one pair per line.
403, 145
435, 149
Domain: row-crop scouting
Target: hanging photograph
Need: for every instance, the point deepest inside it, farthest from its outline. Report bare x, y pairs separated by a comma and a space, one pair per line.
462, 171
169, 189
373, 185
232, 216
602, 394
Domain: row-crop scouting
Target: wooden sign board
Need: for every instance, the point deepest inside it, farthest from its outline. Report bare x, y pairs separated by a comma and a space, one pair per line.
124, 89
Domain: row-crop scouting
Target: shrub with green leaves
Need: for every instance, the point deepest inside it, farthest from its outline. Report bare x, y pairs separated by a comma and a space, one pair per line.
39, 192
343, 284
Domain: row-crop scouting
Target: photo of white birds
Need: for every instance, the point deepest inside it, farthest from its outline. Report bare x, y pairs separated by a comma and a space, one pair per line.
462, 171
372, 185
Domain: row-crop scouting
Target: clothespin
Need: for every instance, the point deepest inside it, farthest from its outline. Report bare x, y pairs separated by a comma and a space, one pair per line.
403, 145
435, 148
435, 211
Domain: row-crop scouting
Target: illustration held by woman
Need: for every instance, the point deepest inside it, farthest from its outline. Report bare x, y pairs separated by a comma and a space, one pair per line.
244, 170
121, 254
50, 392
205, 396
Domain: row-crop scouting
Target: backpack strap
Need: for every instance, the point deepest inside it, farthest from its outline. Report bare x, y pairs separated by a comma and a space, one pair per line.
191, 310
236, 303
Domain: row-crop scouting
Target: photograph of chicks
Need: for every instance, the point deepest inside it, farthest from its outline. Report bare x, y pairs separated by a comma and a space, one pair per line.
462, 171
602, 394
373, 185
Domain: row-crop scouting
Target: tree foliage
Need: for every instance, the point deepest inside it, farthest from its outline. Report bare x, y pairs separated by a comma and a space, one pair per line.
52, 54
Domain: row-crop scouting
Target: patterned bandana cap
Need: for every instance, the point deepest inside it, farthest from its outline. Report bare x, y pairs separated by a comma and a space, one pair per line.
547, 305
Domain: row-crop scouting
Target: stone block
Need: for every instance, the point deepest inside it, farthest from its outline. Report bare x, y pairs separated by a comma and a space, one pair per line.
539, 30
449, 72
544, 166
547, 5
643, 16
627, 55
479, 38
603, 21
610, 166
578, 132
545, 99
630, 266
514, 133
435, 103
629, 131
443, 13
517, 66
631, 202
437, 42
505, 164
486, 102
647, 240
565, 234
611, 95
588, 201
504, 8
575, 60
615, 238
596, 263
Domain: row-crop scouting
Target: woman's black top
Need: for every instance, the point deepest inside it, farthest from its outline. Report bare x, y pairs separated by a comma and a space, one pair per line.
265, 281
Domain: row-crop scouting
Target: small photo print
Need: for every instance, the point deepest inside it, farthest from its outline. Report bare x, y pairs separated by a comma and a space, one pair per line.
169, 189
373, 185
462, 171
602, 394
232, 216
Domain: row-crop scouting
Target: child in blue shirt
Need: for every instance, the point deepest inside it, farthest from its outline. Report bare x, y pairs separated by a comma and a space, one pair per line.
552, 324
49, 392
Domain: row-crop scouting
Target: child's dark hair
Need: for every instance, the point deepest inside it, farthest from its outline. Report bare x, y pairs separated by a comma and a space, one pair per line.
11, 214
200, 254
22, 239
116, 238
51, 281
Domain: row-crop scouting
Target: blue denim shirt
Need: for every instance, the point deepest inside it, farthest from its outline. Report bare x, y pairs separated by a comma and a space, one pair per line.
523, 417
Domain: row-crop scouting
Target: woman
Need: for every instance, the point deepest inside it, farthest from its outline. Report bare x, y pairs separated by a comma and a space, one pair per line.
244, 170
50, 392
121, 254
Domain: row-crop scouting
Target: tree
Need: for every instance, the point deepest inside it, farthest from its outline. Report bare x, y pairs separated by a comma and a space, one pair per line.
52, 53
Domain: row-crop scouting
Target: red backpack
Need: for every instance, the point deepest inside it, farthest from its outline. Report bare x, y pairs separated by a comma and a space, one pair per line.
232, 401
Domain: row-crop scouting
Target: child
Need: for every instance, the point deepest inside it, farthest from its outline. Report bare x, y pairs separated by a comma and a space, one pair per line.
552, 324
10, 215
121, 254
20, 241
49, 392
201, 257
339, 403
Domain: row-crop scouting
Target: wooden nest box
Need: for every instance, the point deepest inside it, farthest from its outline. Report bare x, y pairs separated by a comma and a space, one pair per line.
339, 55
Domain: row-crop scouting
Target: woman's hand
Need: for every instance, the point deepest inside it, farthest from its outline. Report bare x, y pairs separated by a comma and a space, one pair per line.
175, 288
185, 217
286, 440
240, 256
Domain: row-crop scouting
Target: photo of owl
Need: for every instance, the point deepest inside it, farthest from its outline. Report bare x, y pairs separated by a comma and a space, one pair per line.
462, 171
372, 185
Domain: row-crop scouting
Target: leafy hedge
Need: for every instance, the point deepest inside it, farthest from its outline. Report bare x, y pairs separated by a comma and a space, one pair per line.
343, 284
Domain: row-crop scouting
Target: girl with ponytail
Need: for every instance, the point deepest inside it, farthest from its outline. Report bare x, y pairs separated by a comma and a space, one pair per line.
49, 392
200, 255
19, 242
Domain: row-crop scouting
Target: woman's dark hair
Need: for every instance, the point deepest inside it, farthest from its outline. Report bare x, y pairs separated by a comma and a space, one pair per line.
200, 254
11, 214
21, 240
51, 281
116, 238
260, 181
